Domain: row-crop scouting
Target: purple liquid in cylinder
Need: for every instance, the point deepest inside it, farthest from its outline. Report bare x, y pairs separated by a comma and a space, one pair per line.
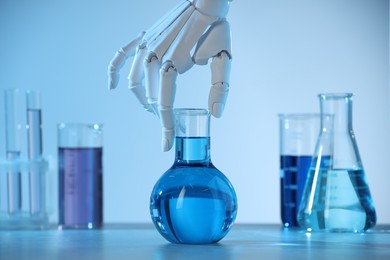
80, 187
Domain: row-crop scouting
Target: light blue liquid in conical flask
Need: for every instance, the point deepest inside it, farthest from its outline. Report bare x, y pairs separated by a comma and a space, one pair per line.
336, 196
193, 202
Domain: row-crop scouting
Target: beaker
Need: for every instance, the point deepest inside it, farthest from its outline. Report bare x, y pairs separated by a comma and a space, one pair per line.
193, 202
80, 151
298, 134
336, 195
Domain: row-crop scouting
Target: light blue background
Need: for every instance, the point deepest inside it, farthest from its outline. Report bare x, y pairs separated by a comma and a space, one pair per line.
284, 53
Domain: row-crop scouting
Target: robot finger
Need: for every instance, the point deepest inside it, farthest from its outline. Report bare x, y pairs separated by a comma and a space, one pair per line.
152, 68
136, 77
119, 60
166, 21
220, 70
165, 104
164, 39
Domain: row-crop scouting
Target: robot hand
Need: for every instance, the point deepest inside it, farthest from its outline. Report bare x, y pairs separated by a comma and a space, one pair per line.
192, 33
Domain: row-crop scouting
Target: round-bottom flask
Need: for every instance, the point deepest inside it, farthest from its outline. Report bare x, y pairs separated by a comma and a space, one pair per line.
193, 202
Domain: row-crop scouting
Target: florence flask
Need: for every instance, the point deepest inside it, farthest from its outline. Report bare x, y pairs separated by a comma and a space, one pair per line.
193, 202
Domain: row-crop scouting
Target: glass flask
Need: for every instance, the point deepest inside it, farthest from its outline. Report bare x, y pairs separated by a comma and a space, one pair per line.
336, 196
298, 136
193, 202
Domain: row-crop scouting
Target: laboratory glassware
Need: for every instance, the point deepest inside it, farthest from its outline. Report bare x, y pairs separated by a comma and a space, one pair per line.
34, 126
23, 218
80, 151
336, 195
24, 180
298, 135
13, 147
193, 202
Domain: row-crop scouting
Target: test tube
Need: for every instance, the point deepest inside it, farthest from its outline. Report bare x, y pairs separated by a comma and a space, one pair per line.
13, 147
34, 124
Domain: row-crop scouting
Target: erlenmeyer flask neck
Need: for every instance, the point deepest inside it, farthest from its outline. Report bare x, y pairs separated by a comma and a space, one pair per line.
339, 106
339, 141
192, 136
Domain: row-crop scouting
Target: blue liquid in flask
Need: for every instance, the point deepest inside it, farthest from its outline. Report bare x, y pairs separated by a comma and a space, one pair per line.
293, 176
80, 187
341, 201
193, 202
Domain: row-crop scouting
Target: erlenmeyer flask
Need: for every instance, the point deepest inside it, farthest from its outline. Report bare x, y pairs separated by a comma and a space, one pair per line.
193, 202
336, 195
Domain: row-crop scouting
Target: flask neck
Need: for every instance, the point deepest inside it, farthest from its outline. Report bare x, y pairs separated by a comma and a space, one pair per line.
192, 150
192, 136
339, 107
337, 140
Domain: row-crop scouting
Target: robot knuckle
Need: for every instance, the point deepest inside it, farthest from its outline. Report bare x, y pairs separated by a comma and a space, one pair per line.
168, 66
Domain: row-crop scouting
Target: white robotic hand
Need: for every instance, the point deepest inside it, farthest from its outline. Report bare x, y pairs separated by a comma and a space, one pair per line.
192, 33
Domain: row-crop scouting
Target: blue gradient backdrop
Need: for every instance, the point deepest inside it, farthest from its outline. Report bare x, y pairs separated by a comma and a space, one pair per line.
284, 53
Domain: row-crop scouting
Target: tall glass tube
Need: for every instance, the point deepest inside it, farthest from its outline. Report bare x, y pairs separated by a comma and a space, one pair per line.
34, 126
193, 202
13, 148
336, 196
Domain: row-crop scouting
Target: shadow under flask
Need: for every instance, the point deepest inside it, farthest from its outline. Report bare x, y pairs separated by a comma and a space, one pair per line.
336, 196
193, 202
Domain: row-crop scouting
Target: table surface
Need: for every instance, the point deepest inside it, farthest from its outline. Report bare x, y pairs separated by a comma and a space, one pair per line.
142, 241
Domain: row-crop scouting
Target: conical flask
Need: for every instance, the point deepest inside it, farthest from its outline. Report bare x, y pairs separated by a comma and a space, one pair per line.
336, 196
193, 202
